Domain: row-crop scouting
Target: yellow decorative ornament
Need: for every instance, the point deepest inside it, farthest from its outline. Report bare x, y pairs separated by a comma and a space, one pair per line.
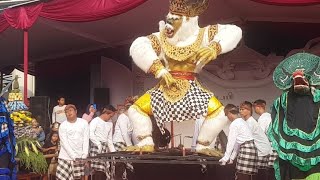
215, 47
176, 91
180, 53
212, 31
156, 67
143, 105
188, 8
155, 44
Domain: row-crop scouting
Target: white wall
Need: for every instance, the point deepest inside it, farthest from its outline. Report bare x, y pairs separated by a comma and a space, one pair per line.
118, 79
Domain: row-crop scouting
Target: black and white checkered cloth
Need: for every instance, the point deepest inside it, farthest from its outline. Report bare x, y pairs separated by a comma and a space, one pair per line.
191, 107
94, 150
69, 170
262, 162
119, 146
273, 156
247, 158
97, 164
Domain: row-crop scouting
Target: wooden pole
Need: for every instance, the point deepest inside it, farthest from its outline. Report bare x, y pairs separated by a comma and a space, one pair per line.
172, 135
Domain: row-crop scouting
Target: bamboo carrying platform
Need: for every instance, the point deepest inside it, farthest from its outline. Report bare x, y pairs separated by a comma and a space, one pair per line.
160, 157
171, 164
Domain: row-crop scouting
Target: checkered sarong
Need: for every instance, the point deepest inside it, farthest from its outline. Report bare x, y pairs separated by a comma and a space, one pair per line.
273, 156
94, 150
191, 107
97, 164
247, 158
262, 162
119, 146
69, 170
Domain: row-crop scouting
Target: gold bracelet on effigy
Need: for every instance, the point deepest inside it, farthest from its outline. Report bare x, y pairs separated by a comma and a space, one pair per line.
205, 143
215, 46
156, 67
140, 138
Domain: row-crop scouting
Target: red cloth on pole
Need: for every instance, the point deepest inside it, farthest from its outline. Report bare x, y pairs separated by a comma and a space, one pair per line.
25, 66
289, 2
3, 23
65, 10
61, 10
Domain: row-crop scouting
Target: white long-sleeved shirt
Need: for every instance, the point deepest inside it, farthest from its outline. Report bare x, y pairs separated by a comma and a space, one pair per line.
123, 130
58, 114
264, 121
74, 139
239, 132
260, 138
101, 131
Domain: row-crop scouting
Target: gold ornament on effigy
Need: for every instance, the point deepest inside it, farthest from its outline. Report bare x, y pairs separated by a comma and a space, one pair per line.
143, 105
156, 67
140, 138
176, 91
188, 8
212, 31
181, 53
155, 44
216, 47
215, 113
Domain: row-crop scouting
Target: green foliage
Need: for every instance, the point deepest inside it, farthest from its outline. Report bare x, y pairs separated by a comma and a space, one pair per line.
30, 157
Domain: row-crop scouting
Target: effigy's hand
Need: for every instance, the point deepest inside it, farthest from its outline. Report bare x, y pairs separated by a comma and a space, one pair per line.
169, 80
205, 55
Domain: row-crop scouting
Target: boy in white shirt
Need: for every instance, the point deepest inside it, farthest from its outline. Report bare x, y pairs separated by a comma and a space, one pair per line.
101, 137
260, 138
74, 141
265, 117
264, 121
240, 141
123, 130
58, 114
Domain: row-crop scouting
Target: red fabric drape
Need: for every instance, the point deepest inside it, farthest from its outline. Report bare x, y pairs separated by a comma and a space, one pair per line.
65, 10
3, 23
86, 10
289, 2
22, 18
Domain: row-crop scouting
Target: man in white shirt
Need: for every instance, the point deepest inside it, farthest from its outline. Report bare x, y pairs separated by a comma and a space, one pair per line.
260, 138
264, 121
265, 117
74, 141
123, 130
240, 140
101, 137
58, 113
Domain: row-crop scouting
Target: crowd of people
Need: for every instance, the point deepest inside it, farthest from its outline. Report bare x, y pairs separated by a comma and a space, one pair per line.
74, 138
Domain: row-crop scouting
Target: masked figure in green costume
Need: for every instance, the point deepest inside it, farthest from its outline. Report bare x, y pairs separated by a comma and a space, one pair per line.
295, 129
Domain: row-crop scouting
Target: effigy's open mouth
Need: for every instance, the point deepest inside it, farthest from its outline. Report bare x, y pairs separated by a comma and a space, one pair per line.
169, 32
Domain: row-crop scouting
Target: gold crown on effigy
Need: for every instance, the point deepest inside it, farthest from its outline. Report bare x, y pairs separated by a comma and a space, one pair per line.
189, 8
